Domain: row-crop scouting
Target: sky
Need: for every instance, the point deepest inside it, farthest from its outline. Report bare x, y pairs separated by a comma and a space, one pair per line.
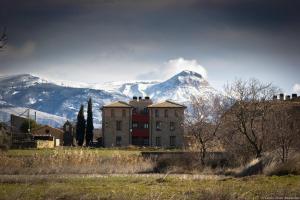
96, 41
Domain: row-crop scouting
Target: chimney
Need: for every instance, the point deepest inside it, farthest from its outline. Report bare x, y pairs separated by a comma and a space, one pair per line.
294, 96
287, 97
274, 97
134, 98
281, 96
147, 98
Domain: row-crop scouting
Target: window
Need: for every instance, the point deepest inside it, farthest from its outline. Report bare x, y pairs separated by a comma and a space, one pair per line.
158, 126
135, 125
146, 125
112, 113
166, 113
145, 141
145, 110
176, 113
123, 113
156, 113
119, 125
172, 141
172, 126
157, 141
118, 140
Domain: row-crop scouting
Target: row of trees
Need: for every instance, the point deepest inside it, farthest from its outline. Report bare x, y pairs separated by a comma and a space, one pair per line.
244, 121
84, 128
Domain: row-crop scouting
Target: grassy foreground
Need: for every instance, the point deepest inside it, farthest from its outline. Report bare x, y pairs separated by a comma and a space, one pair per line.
146, 187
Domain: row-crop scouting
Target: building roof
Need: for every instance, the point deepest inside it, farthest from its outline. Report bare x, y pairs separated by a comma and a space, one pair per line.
118, 104
36, 130
167, 104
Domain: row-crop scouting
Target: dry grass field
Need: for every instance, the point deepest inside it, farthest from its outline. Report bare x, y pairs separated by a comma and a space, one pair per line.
147, 187
73, 161
123, 174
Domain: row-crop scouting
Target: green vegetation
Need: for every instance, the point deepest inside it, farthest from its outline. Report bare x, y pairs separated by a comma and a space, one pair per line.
80, 126
89, 123
141, 187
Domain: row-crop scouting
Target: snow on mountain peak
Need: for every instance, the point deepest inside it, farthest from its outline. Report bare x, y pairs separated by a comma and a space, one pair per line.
189, 78
186, 73
20, 80
63, 98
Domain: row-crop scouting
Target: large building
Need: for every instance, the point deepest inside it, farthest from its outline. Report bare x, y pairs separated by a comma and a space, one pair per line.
142, 123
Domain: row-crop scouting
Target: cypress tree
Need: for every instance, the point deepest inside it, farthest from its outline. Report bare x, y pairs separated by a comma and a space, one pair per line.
89, 124
80, 126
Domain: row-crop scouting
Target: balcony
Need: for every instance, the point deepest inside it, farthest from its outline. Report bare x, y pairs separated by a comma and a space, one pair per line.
140, 117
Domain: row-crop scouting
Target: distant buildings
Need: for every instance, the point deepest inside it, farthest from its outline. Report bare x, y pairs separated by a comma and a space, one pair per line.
142, 123
48, 137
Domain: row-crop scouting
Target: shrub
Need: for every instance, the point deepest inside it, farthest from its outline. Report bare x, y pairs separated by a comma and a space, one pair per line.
276, 167
79, 161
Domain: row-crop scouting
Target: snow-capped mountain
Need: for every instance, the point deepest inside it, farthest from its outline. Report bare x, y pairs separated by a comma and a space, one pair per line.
180, 87
63, 99
41, 117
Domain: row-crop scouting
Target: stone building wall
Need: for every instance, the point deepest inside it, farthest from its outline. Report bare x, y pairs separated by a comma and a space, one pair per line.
111, 136
162, 137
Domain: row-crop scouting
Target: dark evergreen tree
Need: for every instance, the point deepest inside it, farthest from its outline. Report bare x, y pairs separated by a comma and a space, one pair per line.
89, 124
80, 126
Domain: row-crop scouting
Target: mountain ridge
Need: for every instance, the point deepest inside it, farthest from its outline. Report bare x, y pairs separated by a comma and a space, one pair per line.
29, 91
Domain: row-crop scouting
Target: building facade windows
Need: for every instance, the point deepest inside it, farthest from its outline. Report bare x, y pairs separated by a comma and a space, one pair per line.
156, 113
176, 113
158, 125
145, 110
112, 113
157, 142
142, 123
146, 141
172, 141
135, 124
172, 126
146, 125
118, 140
166, 114
119, 125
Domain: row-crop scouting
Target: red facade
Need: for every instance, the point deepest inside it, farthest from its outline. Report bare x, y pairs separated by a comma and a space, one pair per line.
142, 121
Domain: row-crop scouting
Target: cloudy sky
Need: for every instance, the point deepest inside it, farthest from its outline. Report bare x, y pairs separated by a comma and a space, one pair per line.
109, 40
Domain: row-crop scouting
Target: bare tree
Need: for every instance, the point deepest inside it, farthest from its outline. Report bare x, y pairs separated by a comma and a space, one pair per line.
3, 39
251, 103
203, 121
284, 130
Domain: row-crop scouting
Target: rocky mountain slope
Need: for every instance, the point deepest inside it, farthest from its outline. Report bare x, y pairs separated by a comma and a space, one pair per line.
63, 100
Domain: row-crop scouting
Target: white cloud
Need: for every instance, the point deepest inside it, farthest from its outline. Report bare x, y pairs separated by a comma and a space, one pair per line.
177, 65
296, 88
173, 67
